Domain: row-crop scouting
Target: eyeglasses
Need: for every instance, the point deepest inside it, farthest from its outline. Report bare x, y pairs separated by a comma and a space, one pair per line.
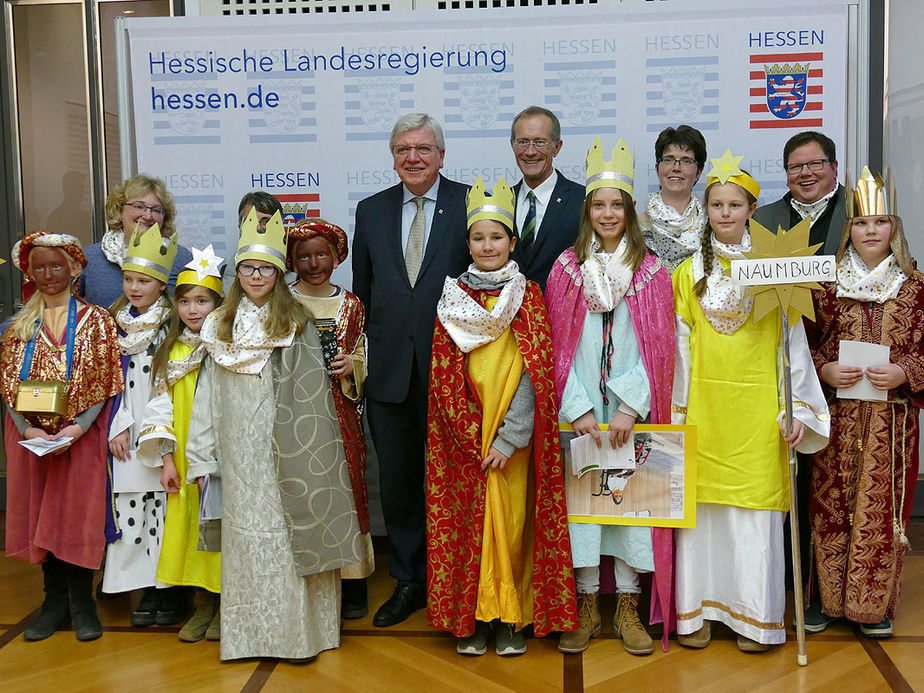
816, 165
671, 161
523, 143
423, 150
266, 271
141, 208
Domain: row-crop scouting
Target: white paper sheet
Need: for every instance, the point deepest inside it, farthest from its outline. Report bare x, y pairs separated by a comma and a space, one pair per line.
42, 447
862, 355
585, 456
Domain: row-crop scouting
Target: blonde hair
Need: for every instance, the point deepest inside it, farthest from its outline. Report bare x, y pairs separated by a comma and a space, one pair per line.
285, 311
122, 301
635, 251
32, 312
699, 288
133, 187
897, 244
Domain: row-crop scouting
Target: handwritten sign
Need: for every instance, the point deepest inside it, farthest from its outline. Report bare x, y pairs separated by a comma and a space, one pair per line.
784, 270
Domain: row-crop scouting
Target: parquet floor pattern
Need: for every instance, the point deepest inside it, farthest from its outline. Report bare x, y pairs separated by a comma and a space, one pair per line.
413, 657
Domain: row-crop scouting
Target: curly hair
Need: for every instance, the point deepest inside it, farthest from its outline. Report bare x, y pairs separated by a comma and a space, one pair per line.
138, 186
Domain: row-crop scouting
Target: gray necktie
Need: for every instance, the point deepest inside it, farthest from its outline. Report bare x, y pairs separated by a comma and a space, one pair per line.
413, 254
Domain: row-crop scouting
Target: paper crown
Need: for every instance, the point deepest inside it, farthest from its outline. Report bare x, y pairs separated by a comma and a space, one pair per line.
203, 270
725, 169
616, 173
871, 197
498, 206
268, 244
147, 253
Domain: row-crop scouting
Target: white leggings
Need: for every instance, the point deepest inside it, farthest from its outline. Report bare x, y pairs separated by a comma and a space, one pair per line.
588, 579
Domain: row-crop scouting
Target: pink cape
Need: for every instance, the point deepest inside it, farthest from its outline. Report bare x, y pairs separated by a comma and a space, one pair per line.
650, 300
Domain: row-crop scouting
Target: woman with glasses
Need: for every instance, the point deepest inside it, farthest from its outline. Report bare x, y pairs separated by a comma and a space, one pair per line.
673, 221
264, 420
140, 201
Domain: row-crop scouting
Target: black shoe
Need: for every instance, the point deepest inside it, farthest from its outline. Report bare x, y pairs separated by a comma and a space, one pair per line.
355, 600
816, 621
173, 606
54, 616
406, 599
883, 629
146, 611
83, 608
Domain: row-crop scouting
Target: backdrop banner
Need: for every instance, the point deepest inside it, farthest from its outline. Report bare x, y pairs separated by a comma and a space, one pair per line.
302, 105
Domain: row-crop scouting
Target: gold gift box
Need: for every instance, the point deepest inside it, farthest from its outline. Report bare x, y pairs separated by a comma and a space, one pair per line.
41, 397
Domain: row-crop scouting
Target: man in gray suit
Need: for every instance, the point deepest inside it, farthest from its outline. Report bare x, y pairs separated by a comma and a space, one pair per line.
810, 161
407, 239
548, 205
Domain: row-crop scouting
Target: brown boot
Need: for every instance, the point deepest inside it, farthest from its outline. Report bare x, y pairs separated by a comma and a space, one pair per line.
627, 626
589, 626
697, 640
195, 628
214, 631
748, 645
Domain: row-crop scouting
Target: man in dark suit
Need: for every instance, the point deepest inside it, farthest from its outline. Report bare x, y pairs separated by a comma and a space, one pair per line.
810, 162
548, 205
407, 240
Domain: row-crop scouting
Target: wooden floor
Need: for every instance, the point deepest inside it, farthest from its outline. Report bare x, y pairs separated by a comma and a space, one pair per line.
413, 657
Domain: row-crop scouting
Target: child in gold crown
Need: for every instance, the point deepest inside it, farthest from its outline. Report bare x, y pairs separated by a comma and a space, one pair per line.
862, 484
315, 249
175, 370
139, 502
285, 485
497, 543
611, 309
728, 382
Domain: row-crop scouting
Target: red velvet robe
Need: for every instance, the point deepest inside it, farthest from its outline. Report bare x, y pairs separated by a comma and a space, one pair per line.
57, 503
456, 483
865, 478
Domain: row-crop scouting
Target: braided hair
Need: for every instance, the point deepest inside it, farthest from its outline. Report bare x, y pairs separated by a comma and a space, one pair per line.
699, 288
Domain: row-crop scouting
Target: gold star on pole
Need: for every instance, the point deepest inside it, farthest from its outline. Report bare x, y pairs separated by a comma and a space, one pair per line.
795, 298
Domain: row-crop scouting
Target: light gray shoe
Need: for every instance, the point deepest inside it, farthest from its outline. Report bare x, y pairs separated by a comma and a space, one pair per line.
477, 643
510, 643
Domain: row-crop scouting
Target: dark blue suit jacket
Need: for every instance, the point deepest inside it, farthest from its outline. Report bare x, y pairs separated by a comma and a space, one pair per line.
558, 231
400, 319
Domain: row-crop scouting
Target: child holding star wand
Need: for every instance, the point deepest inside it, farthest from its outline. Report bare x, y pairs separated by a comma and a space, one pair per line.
728, 382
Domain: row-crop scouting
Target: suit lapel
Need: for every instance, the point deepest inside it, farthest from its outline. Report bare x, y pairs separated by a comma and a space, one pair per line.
391, 226
446, 200
550, 219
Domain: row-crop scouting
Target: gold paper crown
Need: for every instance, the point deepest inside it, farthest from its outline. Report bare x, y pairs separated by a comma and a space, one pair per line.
268, 245
498, 206
147, 253
786, 69
725, 169
871, 197
617, 173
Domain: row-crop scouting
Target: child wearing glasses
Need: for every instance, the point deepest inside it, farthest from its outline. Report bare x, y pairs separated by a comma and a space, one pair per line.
315, 249
264, 420
137, 524
497, 537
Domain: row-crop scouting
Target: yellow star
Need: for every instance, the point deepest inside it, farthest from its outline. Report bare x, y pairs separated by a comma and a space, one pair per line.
795, 298
725, 167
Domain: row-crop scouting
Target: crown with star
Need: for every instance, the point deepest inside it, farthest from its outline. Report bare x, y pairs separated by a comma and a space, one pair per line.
149, 254
203, 270
619, 172
498, 206
872, 196
268, 245
726, 169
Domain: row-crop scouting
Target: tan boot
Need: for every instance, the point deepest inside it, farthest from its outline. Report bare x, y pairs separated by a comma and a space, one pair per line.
195, 628
698, 639
627, 626
752, 646
589, 626
214, 630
